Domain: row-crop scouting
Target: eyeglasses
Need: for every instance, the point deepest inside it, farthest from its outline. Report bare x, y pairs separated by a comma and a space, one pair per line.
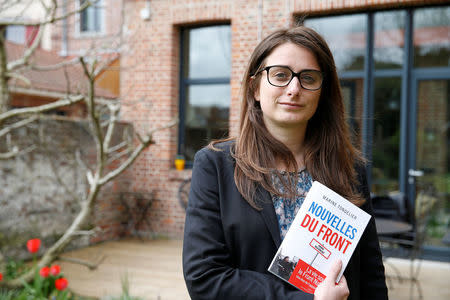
281, 76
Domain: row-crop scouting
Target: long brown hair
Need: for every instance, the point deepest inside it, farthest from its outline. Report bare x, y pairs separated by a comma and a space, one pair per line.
329, 155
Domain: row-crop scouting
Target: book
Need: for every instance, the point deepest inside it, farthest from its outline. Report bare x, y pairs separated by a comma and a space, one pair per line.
327, 227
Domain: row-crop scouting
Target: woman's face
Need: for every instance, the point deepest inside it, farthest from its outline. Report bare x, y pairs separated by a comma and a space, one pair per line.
290, 106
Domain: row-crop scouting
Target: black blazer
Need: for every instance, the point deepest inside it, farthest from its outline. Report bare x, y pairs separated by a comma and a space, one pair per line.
228, 245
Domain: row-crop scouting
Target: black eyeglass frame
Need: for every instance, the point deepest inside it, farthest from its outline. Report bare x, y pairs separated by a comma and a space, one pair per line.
293, 74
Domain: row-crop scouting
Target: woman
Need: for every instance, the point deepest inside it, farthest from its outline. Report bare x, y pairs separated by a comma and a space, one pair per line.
246, 190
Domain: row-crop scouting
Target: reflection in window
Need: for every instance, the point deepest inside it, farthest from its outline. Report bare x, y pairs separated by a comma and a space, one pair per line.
386, 136
206, 116
432, 37
209, 52
346, 36
433, 153
389, 39
205, 87
352, 93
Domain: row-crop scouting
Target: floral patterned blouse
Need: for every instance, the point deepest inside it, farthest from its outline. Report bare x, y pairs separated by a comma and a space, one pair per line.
285, 208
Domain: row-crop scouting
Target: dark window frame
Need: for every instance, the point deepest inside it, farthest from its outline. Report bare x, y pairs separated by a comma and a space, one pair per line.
409, 75
185, 82
369, 73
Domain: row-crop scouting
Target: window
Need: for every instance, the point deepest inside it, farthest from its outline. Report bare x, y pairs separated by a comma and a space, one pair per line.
383, 104
204, 87
347, 37
91, 18
432, 37
389, 47
15, 34
394, 68
20, 34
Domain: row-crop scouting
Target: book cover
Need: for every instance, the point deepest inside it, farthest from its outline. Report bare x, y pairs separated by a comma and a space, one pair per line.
327, 227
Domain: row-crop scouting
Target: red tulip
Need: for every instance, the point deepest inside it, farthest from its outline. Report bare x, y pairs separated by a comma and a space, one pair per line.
44, 272
1, 276
33, 245
55, 269
61, 284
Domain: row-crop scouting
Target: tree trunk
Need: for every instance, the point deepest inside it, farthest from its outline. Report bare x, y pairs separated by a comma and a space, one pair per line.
4, 92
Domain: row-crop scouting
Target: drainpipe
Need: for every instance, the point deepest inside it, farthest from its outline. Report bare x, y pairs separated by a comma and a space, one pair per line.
260, 19
288, 12
64, 42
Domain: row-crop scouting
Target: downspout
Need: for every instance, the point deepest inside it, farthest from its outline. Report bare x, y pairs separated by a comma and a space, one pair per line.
64, 41
288, 12
260, 19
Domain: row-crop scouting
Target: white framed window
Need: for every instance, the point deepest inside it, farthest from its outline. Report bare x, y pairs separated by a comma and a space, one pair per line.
15, 33
91, 19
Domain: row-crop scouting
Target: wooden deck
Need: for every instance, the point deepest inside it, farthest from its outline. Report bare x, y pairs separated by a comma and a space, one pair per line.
154, 272
153, 269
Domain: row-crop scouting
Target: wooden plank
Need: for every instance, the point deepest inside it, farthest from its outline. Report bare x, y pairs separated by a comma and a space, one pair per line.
153, 269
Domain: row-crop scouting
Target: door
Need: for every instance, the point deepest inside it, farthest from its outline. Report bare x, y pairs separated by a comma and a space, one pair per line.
429, 162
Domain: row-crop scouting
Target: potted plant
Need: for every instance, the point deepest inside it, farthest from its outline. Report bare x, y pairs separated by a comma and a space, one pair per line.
179, 162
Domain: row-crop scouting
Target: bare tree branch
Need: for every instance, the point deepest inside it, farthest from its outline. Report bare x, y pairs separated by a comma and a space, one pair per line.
144, 144
19, 76
102, 171
116, 147
95, 121
10, 154
7, 4
16, 152
42, 108
114, 110
51, 18
57, 66
119, 155
14, 65
18, 124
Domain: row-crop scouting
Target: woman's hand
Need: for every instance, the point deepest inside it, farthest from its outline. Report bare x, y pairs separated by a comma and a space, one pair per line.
328, 289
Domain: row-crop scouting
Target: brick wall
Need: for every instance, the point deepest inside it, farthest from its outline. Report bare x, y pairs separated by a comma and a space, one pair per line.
152, 96
149, 80
81, 42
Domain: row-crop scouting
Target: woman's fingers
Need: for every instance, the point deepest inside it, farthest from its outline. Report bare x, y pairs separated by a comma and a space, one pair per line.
329, 289
334, 270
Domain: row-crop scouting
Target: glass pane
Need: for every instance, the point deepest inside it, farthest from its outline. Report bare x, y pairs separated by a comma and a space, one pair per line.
433, 155
208, 53
91, 17
84, 17
206, 116
346, 36
16, 34
386, 135
352, 92
432, 37
389, 39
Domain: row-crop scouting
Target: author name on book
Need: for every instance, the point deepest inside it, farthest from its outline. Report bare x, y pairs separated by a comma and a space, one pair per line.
340, 207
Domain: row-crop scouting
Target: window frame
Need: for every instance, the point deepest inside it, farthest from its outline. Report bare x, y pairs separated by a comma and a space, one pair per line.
185, 82
409, 74
100, 6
